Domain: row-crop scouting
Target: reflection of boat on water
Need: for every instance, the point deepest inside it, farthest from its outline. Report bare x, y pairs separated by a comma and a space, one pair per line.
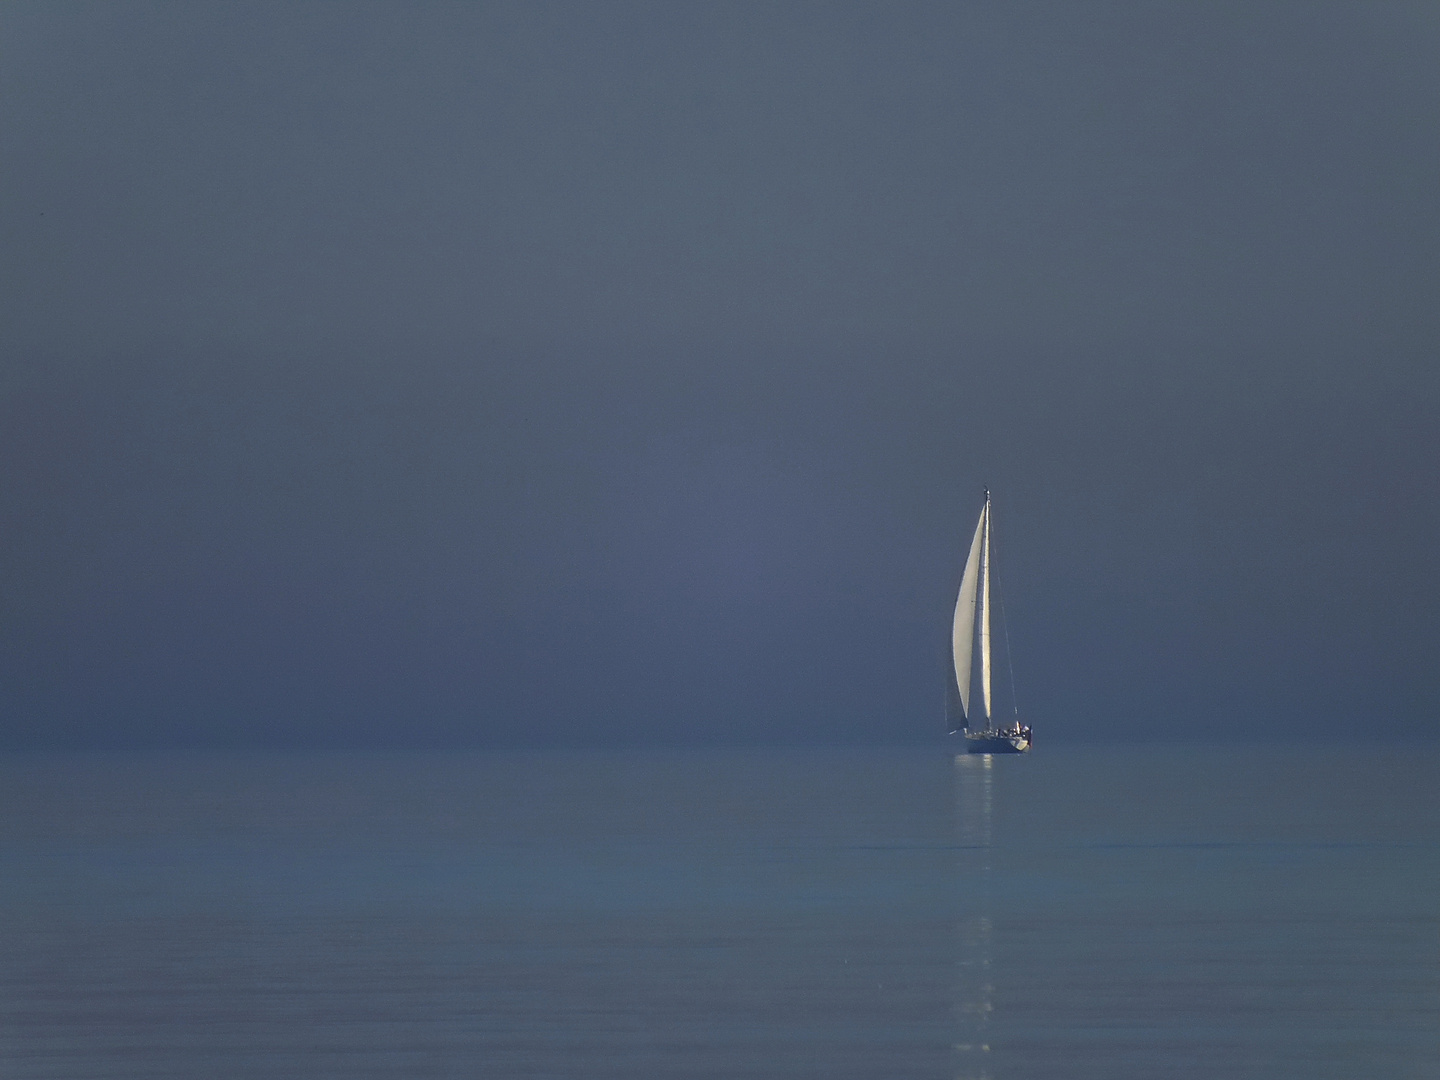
975, 1030
972, 609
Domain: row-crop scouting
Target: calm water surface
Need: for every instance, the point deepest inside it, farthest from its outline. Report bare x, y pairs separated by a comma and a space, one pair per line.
1174, 912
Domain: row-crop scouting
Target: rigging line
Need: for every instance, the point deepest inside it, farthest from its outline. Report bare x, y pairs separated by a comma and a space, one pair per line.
1009, 659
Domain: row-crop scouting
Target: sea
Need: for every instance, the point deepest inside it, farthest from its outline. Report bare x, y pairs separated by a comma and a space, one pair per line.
1080, 912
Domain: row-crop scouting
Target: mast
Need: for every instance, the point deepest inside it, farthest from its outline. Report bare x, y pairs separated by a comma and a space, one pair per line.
985, 609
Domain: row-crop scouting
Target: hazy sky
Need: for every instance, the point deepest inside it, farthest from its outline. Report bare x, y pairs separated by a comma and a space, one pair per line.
482, 373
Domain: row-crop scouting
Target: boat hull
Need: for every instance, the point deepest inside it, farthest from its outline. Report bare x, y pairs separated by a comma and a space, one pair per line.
993, 742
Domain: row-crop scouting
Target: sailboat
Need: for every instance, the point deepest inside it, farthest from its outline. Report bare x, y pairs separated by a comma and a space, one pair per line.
972, 611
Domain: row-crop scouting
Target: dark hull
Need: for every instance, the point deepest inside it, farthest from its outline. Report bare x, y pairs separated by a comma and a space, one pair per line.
992, 742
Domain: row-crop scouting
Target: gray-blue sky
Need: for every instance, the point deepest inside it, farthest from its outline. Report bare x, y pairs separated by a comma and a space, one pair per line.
490, 372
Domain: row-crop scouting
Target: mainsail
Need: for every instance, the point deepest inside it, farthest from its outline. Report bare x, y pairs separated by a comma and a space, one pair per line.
963, 631
985, 612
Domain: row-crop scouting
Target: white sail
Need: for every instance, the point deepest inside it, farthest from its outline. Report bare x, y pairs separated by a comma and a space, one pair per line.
963, 631
985, 611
